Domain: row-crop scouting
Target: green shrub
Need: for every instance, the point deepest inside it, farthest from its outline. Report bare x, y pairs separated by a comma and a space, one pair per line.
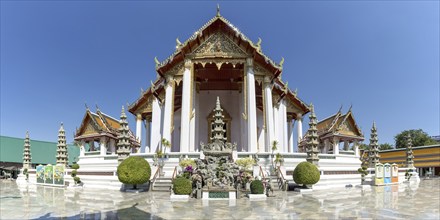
76, 179
186, 162
306, 173
246, 163
182, 186
74, 172
134, 170
257, 187
75, 166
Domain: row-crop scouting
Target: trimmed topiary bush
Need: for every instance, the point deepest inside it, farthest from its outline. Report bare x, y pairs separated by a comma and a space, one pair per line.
75, 166
257, 187
182, 186
134, 170
306, 173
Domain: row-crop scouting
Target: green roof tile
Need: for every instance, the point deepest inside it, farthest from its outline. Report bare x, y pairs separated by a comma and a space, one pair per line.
42, 152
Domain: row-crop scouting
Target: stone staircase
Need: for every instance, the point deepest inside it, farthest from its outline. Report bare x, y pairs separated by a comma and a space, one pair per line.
274, 182
162, 184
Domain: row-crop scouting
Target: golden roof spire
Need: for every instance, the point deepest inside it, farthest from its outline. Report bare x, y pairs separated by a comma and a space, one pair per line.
218, 10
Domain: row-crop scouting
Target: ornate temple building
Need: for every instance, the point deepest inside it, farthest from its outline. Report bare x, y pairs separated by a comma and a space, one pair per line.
98, 133
218, 61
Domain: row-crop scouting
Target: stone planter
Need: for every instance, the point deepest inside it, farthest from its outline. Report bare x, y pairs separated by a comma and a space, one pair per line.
177, 198
254, 197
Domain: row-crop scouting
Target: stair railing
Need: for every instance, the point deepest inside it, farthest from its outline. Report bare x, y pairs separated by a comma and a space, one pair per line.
173, 177
280, 179
153, 181
262, 173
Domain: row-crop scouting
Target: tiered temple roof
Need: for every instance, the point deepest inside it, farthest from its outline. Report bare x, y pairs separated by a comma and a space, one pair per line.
340, 125
99, 124
238, 46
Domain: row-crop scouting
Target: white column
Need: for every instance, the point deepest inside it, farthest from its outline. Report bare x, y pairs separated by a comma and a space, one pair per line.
243, 122
268, 110
147, 148
186, 109
276, 128
113, 146
139, 128
251, 107
168, 109
156, 120
82, 149
299, 128
326, 146
356, 149
192, 121
102, 147
290, 133
283, 124
335, 145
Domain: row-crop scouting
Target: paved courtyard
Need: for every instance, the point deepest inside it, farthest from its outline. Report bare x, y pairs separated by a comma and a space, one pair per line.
391, 202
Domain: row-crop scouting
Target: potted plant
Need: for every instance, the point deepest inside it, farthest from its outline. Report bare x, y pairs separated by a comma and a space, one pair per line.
134, 170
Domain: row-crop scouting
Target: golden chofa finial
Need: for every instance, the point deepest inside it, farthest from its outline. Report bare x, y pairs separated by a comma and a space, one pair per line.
156, 61
218, 10
178, 43
281, 62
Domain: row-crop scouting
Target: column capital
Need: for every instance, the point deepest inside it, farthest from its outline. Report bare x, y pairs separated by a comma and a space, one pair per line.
188, 63
139, 116
299, 117
169, 80
102, 139
249, 62
289, 118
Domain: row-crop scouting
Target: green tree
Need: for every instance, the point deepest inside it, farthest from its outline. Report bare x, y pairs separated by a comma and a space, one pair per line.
418, 136
363, 146
385, 146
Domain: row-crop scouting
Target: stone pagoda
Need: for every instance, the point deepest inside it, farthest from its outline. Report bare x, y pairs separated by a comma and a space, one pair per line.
218, 169
27, 152
62, 154
374, 147
312, 138
123, 138
409, 153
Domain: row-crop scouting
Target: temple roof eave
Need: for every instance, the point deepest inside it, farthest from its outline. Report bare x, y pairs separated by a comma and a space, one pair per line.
185, 47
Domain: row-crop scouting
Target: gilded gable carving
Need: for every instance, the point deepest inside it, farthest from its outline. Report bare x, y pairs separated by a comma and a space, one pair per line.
259, 70
219, 45
89, 129
176, 70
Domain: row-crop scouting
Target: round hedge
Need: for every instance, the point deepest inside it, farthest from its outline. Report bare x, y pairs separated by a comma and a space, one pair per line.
257, 187
182, 186
75, 166
306, 173
134, 170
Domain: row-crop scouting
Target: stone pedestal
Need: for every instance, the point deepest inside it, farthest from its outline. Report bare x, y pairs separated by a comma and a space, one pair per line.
254, 197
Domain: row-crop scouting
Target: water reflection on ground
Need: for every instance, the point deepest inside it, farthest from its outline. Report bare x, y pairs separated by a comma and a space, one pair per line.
402, 201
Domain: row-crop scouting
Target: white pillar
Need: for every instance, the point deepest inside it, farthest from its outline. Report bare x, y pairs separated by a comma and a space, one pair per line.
335, 145
251, 106
268, 109
156, 120
283, 123
147, 148
243, 122
102, 147
113, 146
276, 128
168, 109
290, 133
139, 128
186, 109
326, 146
356, 149
299, 128
192, 118
82, 149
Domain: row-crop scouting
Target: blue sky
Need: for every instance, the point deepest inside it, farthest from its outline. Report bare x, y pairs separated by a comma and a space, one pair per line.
382, 57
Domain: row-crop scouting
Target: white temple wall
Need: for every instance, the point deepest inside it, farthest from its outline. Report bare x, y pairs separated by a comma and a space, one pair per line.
175, 135
229, 101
